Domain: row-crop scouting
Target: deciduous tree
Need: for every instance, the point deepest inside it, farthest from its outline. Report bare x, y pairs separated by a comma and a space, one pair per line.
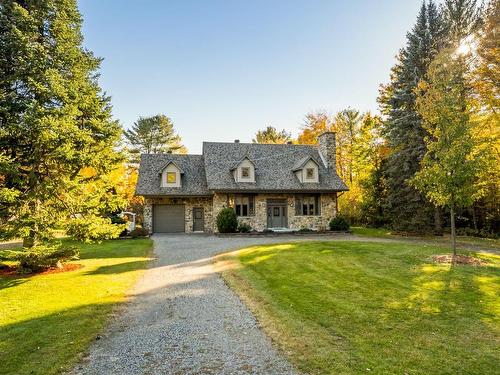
451, 166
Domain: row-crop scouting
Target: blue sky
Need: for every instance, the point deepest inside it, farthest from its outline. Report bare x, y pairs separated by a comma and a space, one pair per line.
224, 69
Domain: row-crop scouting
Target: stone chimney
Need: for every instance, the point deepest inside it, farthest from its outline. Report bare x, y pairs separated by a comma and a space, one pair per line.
327, 149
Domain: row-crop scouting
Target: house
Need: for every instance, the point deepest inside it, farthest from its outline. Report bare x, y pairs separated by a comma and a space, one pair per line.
268, 186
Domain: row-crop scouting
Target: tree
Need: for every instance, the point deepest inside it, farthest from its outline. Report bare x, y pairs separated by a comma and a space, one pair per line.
451, 165
408, 209
485, 80
154, 135
272, 135
55, 122
314, 125
359, 149
462, 18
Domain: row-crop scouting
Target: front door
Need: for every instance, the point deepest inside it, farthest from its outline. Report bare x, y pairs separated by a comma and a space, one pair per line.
276, 214
198, 222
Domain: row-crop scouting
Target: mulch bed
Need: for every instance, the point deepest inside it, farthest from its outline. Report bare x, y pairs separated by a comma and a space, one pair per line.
458, 259
12, 271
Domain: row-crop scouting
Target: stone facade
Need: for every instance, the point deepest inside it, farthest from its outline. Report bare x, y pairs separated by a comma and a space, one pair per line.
259, 220
189, 203
212, 206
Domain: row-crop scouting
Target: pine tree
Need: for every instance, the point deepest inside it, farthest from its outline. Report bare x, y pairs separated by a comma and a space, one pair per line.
54, 119
154, 135
409, 210
272, 135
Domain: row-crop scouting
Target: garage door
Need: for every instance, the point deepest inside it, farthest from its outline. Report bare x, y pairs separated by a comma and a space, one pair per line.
168, 218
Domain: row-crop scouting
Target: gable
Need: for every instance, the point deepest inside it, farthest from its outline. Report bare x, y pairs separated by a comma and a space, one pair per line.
244, 171
171, 176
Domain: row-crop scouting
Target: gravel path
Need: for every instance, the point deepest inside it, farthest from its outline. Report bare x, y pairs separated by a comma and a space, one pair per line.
183, 319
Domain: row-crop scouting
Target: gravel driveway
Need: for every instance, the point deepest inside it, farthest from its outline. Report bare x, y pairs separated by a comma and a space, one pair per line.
183, 319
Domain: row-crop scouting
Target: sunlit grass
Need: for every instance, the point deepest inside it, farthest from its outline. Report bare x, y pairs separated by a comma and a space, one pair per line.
346, 307
46, 321
488, 243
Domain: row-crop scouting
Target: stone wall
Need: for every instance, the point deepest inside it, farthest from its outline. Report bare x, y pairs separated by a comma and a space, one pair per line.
190, 203
259, 220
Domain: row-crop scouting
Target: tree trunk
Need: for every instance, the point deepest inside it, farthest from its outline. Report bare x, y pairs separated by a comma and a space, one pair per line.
30, 240
474, 219
438, 221
453, 234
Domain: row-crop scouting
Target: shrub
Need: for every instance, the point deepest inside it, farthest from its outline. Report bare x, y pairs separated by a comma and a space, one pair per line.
305, 230
244, 228
339, 224
139, 232
93, 228
227, 221
41, 257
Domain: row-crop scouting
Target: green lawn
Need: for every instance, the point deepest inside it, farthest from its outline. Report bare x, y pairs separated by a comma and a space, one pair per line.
46, 321
464, 241
377, 308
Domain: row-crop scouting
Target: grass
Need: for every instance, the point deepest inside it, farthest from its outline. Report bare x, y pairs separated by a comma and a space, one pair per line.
47, 321
377, 308
486, 243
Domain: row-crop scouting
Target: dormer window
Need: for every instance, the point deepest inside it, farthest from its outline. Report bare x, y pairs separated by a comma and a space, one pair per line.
310, 173
245, 172
306, 170
171, 177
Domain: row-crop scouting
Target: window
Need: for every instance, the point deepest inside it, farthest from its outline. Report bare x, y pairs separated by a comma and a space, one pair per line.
310, 173
307, 205
244, 205
171, 177
245, 172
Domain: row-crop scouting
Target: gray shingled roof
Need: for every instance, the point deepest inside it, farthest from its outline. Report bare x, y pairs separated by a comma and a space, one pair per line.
274, 164
203, 174
193, 180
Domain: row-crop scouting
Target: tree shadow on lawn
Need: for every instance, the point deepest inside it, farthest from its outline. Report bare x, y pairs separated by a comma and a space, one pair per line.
11, 281
120, 268
51, 343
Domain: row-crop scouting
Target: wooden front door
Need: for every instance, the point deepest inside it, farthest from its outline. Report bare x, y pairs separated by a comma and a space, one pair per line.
277, 214
198, 220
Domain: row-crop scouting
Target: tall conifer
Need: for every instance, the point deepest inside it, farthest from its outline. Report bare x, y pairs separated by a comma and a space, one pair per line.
55, 122
408, 209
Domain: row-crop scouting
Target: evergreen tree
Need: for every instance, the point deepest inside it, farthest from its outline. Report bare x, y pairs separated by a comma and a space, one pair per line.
272, 135
54, 119
461, 18
408, 209
154, 135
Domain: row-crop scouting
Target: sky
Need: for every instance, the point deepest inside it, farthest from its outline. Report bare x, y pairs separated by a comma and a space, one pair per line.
223, 69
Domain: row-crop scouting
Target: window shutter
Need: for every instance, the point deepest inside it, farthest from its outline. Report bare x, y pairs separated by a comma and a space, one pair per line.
317, 203
251, 205
298, 205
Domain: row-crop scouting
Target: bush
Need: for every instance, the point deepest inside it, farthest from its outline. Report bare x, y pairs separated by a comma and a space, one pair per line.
41, 257
227, 221
305, 230
339, 224
244, 228
139, 232
93, 228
